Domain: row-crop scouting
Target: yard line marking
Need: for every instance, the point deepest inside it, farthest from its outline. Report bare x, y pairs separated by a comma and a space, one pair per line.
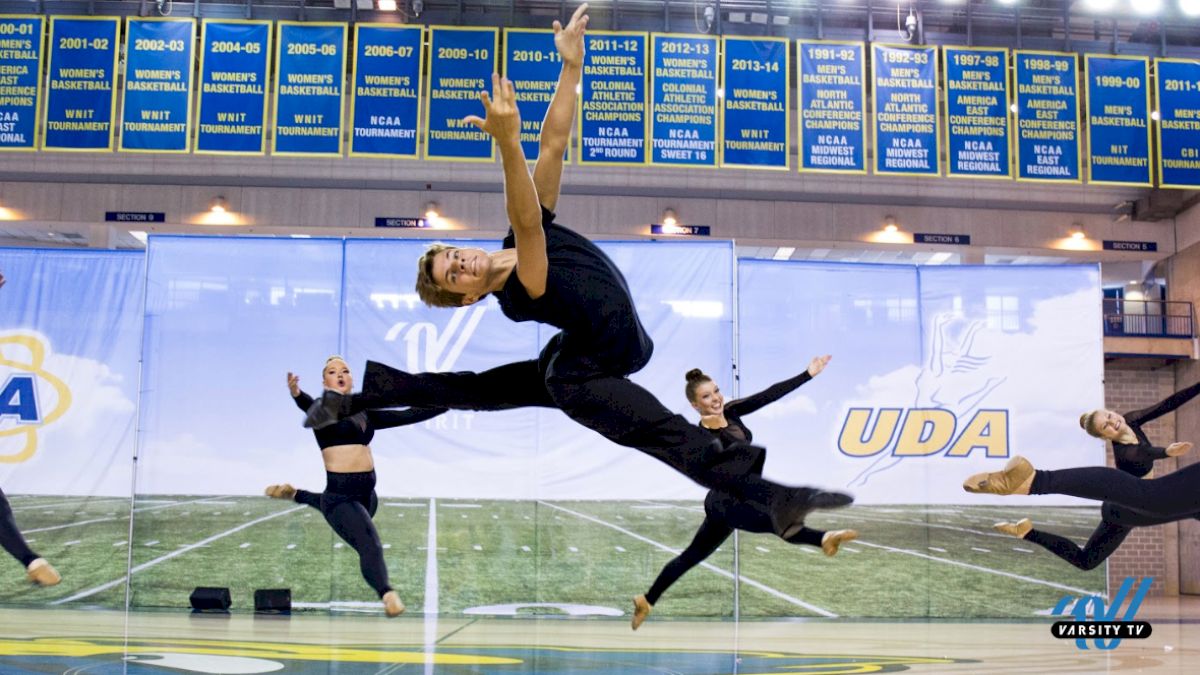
386, 546
290, 546
709, 566
1022, 550
526, 549
151, 542
173, 554
72, 542
980, 568
934, 548
245, 545
120, 543
70, 503
619, 549
431, 562
852, 550
477, 547
105, 520
572, 549
761, 549
981, 550
462, 506
339, 545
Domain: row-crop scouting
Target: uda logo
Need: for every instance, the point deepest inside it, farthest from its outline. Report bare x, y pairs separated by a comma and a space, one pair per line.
428, 349
30, 397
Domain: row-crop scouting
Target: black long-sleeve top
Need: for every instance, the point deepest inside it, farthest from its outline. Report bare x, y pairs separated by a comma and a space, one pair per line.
1138, 458
359, 429
736, 431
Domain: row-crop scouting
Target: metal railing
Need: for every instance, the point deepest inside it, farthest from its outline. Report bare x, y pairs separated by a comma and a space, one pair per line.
1148, 318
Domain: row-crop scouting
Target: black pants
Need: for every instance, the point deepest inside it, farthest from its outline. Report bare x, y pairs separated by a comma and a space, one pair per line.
348, 504
1172, 497
1117, 520
10, 537
615, 407
723, 513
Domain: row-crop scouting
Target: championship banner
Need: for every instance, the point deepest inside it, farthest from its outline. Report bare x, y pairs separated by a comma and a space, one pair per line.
906, 111
833, 135
461, 63
156, 111
977, 112
755, 79
81, 100
20, 89
532, 63
612, 122
1179, 123
310, 63
232, 110
1118, 122
683, 105
384, 108
1047, 117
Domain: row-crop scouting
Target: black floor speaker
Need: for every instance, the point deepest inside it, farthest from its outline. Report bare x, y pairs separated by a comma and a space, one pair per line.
210, 599
273, 601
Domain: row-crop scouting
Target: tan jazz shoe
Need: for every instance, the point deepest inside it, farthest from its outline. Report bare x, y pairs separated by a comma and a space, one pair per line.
833, 540
641, 610
392, 605
42, 573
281, 491
1018, 529
1015, 479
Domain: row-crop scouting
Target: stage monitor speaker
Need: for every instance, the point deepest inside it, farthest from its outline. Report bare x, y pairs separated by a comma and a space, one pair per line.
273, 601
210, 599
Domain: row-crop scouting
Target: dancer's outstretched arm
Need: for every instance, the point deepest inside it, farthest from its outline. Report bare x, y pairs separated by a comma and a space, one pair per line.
754, 402
560, 116
503, 123
1164, 406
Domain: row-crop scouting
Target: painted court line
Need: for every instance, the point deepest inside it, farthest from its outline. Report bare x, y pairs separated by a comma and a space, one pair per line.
431, 563
706, 565
105, 520
173, 554
979, 568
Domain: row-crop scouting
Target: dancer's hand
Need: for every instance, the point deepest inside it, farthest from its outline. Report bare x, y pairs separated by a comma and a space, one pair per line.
294, 384
818, 364
502, 119
1179, 448
569, 40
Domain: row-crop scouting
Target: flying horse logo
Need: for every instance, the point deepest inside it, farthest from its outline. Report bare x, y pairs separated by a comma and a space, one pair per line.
22, 412
442, 347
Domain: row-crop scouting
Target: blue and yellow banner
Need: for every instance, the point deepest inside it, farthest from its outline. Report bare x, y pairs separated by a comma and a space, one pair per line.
906, 111
232, 110
977, 112
1047, 117
310, 62
384, 103
683, 107
461, 63
1118, 122
156, 111
532, 63
1179, 123
20, 80
83, 69
613, 126
755, 79
833, 132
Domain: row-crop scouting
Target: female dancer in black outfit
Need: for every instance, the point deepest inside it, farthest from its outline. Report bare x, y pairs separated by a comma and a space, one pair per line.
1128, 501
723, 513
36, 568
349, 501
550, 274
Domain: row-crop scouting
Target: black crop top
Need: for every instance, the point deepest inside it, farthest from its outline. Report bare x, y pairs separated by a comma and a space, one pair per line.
735, 430
360, 429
